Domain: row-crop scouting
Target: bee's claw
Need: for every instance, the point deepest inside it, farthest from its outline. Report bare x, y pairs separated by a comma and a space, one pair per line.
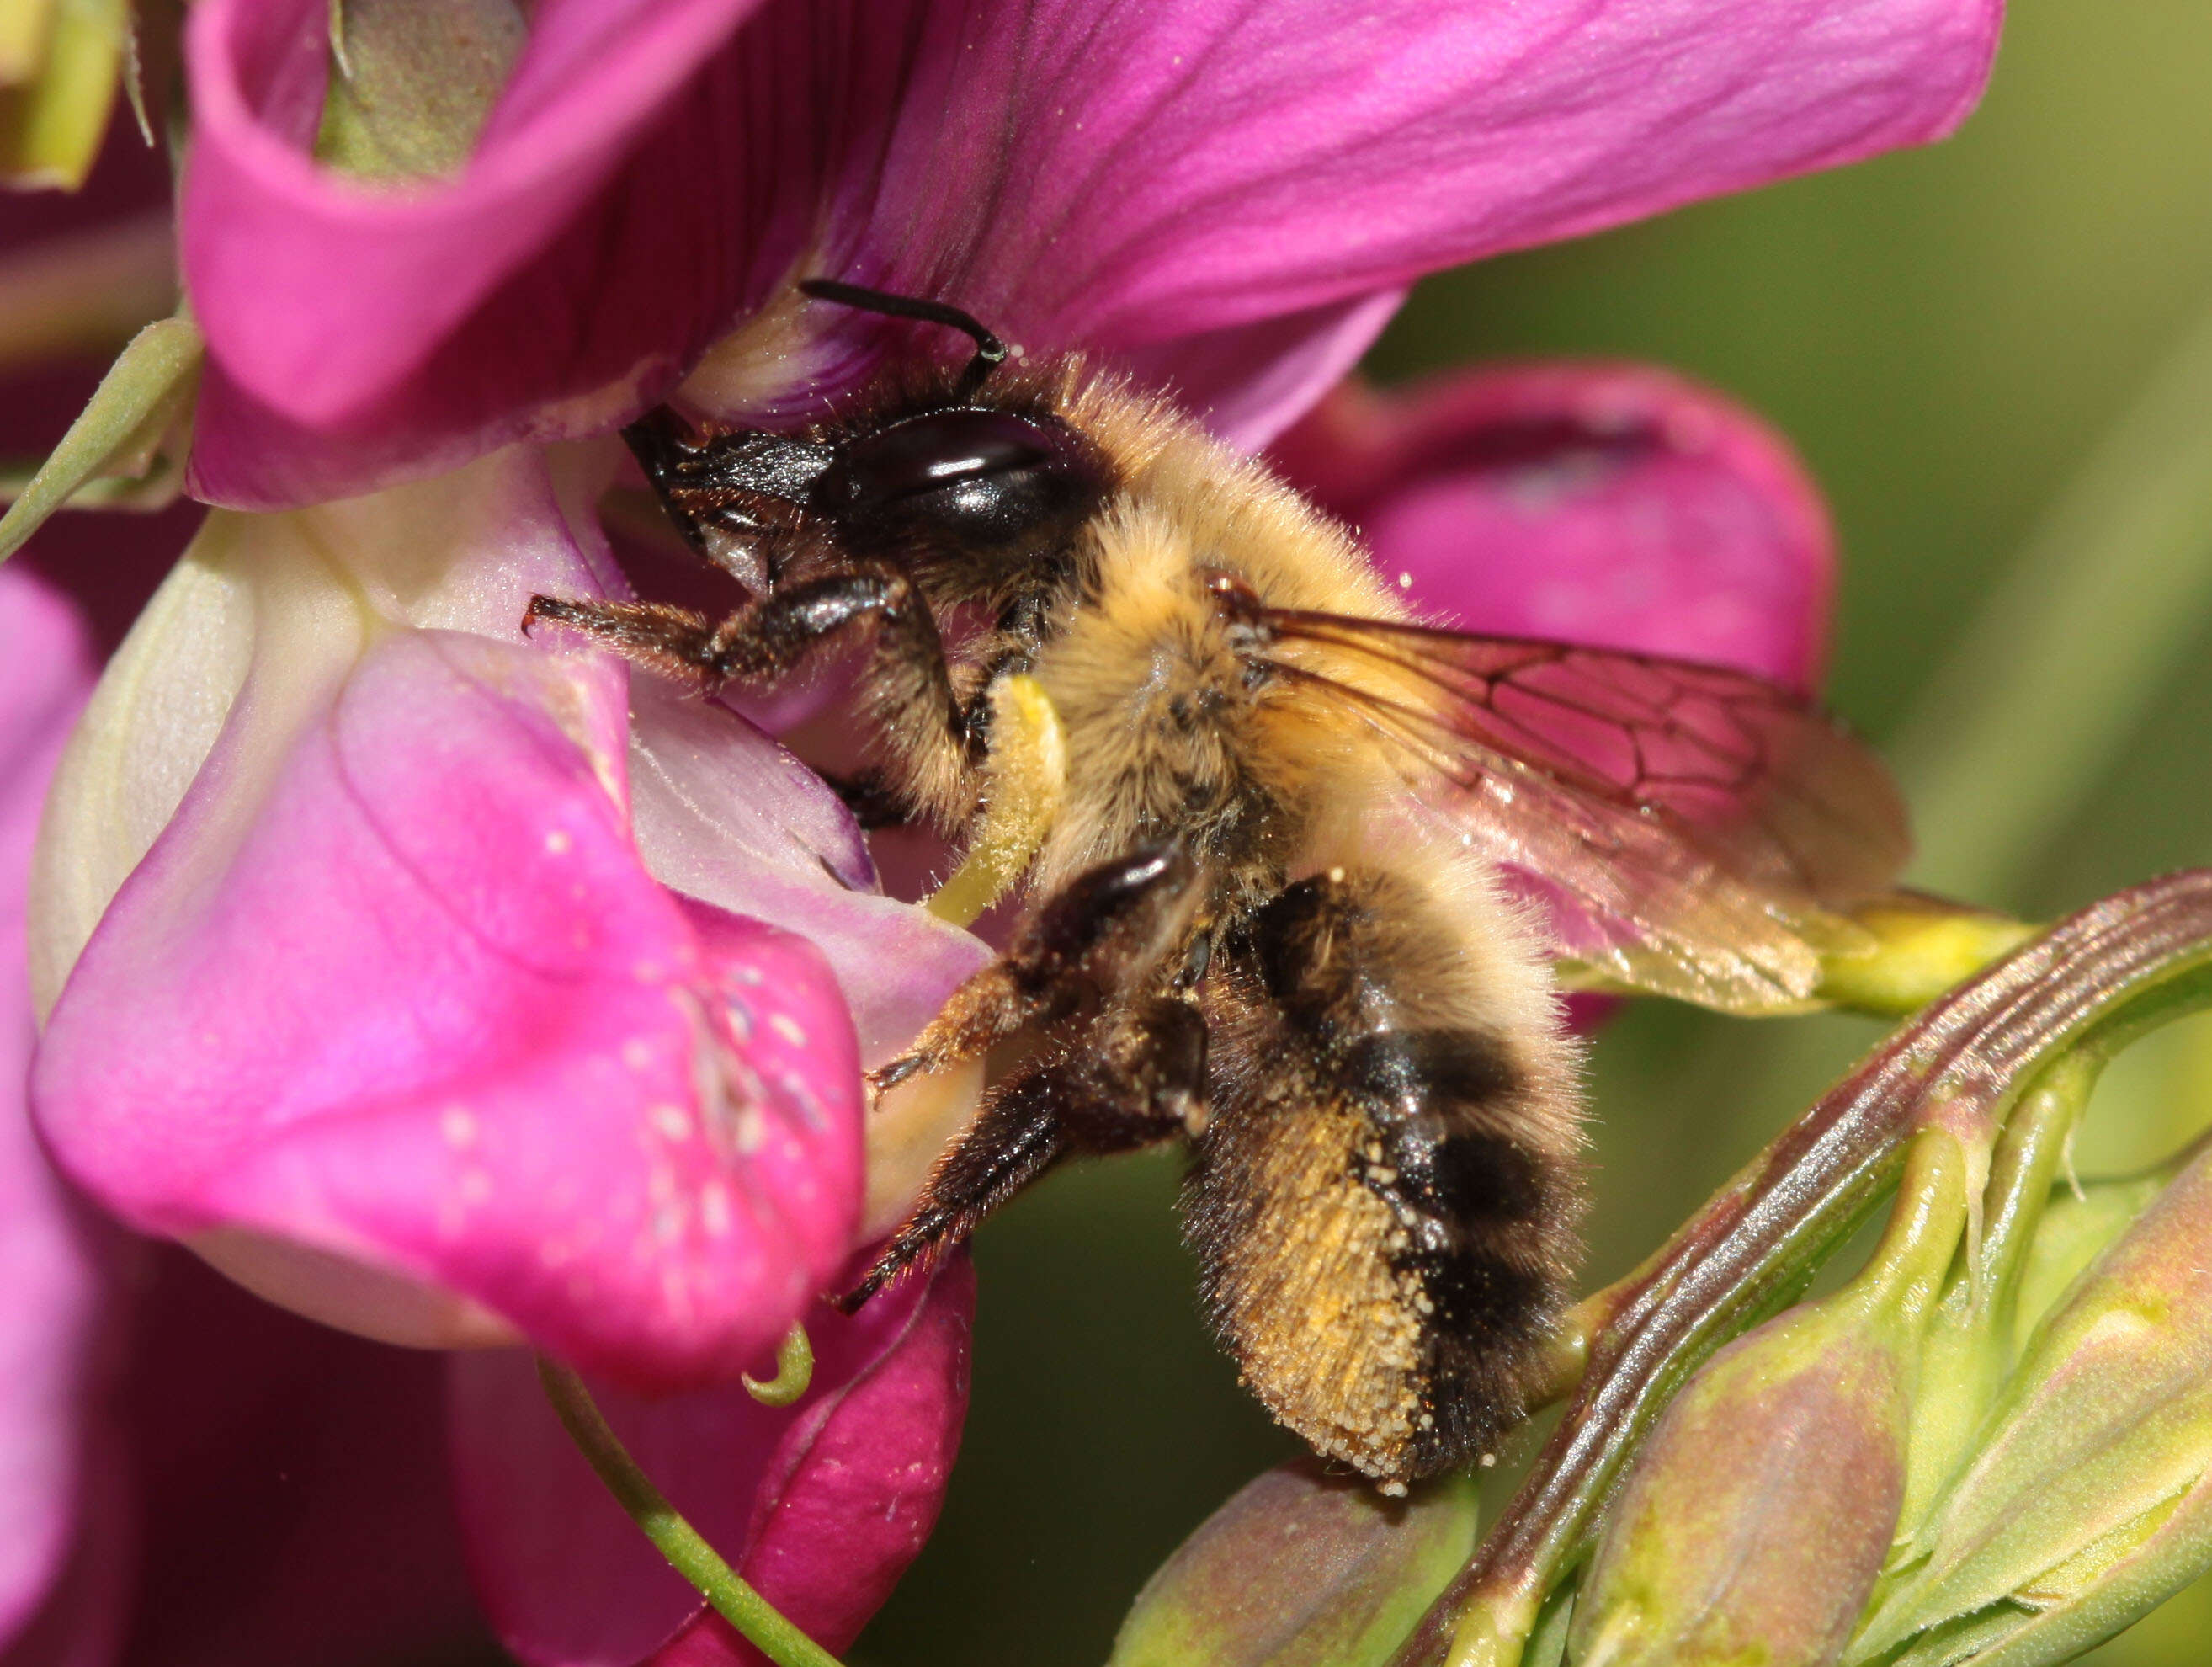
884, 1078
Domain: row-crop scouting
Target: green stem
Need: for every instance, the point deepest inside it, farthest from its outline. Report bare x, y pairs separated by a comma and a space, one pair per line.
691, 1556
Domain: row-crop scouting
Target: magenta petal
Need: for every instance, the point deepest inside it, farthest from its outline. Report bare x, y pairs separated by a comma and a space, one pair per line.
820, 1506
291, 1483
1121, 177
1154, 172
58, 1545
267, 229
1612, 505
422, 1008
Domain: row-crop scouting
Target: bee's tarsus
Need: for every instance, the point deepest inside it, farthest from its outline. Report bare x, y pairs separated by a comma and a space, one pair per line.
890, 1075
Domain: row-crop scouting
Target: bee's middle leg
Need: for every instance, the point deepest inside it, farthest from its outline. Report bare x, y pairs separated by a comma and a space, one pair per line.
1132, 1077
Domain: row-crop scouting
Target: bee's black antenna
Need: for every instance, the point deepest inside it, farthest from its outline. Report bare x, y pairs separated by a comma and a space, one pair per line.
990, 351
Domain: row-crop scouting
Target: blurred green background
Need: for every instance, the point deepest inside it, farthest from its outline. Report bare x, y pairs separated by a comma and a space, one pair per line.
1949, 336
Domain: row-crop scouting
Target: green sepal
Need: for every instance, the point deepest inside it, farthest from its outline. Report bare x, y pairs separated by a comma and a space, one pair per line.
410, 87
2087, 1498
125, 449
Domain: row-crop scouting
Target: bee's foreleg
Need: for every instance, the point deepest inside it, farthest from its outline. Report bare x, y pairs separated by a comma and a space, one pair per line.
770, 638
1134, 1076
1101, 937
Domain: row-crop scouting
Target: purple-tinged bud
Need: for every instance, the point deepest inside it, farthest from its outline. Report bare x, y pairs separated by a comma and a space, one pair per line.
1301, 1569
2089, 1497
1759, 1515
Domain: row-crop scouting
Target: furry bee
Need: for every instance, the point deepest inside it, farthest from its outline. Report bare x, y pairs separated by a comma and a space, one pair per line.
1267, 916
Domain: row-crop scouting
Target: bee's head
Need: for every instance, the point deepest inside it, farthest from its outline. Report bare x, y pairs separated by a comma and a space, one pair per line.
986, 490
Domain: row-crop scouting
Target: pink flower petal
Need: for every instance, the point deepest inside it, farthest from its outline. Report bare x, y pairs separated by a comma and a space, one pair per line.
58, 1543
423, 1009
1606, 504
1249, 382
1119, 178
820, 1506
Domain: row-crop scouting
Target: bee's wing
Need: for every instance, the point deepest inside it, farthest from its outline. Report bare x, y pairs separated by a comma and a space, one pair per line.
1691, 827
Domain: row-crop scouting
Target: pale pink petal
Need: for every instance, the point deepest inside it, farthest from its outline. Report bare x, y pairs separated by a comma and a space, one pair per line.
59, 1538
1121, 177
725, 814
820, 1506
424, 1010
1612, 505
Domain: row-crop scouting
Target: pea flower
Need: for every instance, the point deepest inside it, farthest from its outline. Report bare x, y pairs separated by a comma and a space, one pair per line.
463, 990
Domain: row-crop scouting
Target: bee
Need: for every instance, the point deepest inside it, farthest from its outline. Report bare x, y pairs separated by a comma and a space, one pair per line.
1269, 915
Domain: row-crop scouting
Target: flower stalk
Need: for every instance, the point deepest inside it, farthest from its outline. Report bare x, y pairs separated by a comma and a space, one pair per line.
686, 1550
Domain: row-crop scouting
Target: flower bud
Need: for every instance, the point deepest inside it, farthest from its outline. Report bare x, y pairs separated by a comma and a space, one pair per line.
1301, 1569
1757, 1516
2089, 1497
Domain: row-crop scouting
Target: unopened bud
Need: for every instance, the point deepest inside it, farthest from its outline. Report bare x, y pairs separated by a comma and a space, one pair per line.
2090, 1500
1756, 1521
1301, 1569
1760, 1513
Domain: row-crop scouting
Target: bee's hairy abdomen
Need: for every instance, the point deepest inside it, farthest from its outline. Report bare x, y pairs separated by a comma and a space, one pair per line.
1383, 1200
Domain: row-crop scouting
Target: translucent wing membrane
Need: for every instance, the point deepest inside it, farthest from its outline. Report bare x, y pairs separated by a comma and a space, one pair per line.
1691, 827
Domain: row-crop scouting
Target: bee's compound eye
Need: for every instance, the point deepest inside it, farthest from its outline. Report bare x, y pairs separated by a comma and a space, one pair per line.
983, 478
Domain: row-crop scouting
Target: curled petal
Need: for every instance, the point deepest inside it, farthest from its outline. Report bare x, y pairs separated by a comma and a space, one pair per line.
428, 1013
1125, 181
391, 1021
1614, 505
820, 1506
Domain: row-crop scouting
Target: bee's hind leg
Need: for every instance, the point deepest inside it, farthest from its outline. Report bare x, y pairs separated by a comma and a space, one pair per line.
1134, 1077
